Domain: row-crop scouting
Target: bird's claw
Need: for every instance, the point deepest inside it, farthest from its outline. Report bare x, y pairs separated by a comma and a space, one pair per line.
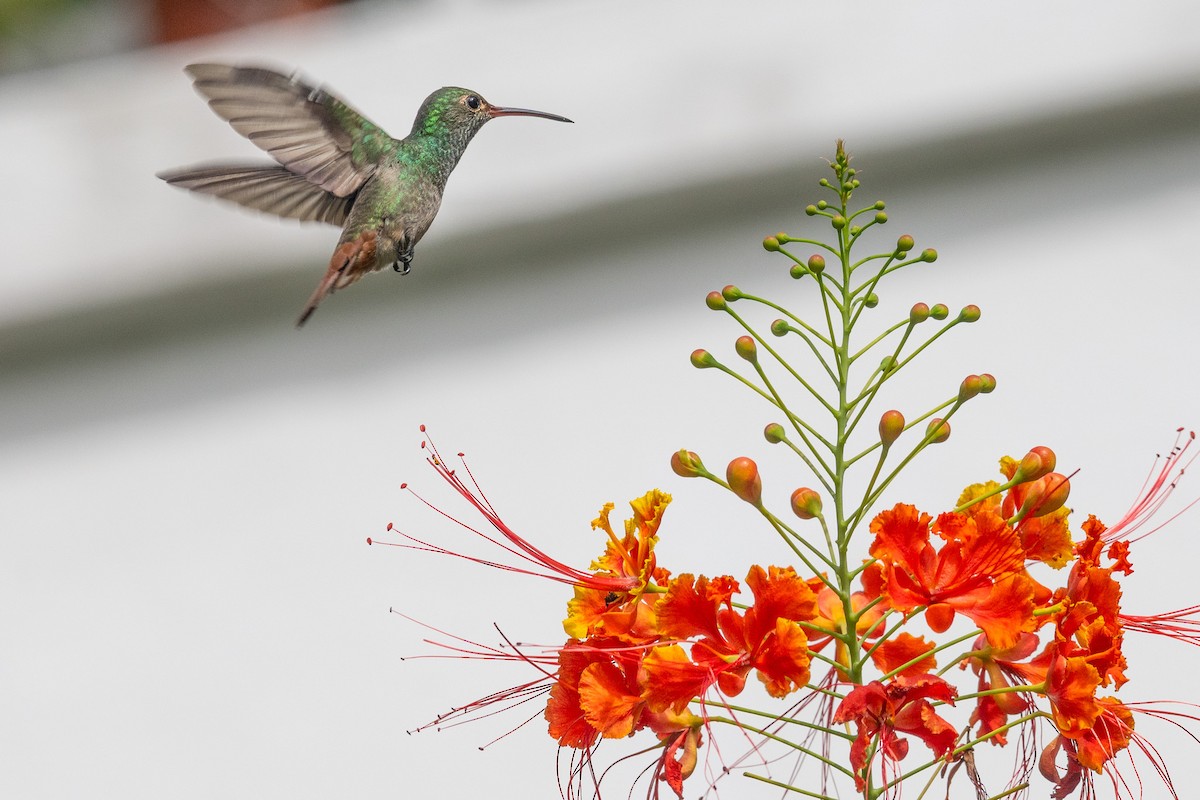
403, 264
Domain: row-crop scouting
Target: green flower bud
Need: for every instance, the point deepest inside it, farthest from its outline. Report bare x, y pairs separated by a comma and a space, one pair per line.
687, 464
744, 481
871, 300
780, 328
918, 314
970, 387
806, 503
929, 255
823, 182
879, 205
797, 271
715, 301
774, 433
771, 244
855, 230
821, 204
838, 222
746, 348
816, 263
732, 293
989, 383
891, 425
938, 430
887, 364
939, 311
904, 244
881, 217
970, 313
702, 359
810, 210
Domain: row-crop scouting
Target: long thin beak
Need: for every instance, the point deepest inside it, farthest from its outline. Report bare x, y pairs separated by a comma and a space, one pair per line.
500, 111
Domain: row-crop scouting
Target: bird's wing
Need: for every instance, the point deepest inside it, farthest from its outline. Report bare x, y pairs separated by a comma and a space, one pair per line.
270, 188
305, 128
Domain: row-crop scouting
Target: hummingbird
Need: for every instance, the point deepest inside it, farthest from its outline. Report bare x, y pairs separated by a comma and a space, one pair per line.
336, 166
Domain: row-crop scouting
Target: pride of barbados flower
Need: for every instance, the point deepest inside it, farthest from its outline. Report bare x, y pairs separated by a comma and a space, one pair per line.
910, 656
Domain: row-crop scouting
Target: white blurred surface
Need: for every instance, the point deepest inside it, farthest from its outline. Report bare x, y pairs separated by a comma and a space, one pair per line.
189, 608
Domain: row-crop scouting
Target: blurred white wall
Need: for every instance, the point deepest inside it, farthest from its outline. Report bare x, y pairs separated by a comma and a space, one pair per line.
187, 481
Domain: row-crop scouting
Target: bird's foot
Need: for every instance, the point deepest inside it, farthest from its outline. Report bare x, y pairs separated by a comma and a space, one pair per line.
403, 264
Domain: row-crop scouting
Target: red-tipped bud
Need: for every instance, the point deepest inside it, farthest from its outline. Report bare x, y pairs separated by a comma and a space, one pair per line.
771, 243
891, 425
806, 504
929, 255
746, 348
971, 386
1048, 493
939, 311
989, 383
1036, 463
937, 431
816, 263
904, 244
918, 314
970, 313
702, 359
715, 301
732, 293
774, 433
742, 476
780, 327
687, 464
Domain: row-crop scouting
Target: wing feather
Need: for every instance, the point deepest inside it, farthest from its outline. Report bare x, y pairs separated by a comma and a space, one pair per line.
271, 189
304, 127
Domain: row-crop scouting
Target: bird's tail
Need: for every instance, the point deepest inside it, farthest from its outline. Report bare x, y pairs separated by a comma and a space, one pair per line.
350, 261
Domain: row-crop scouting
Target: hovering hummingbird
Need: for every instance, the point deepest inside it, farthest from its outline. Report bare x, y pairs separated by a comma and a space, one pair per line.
337, 166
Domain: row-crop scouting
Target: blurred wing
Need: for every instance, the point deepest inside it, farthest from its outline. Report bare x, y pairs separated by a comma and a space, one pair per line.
272, 189
303, 127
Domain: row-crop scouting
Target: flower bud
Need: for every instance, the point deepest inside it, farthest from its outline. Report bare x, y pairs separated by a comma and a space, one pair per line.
918, 314
806, 504
797, 271
810, 210
879, 205
746, 348
937, 431
939, 311
715, 301
871, 300
1036, 463
816, 263
774, 433
989, 383
929, 255
838, 222
1047, 494
971, 386
887, 365
732, 293
891, 425
881, 217
771, 244
780, 327
702, 359
970, 313
904, 244
686, 464
744, 481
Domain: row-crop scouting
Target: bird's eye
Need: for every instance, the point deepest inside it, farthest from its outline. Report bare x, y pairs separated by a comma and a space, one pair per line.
473, 102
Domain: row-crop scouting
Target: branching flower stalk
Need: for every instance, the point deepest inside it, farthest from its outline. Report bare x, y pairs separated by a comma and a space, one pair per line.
956, 630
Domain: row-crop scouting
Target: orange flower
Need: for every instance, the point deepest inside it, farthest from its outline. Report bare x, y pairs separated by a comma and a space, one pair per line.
976, 572
766, 638
881, 712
